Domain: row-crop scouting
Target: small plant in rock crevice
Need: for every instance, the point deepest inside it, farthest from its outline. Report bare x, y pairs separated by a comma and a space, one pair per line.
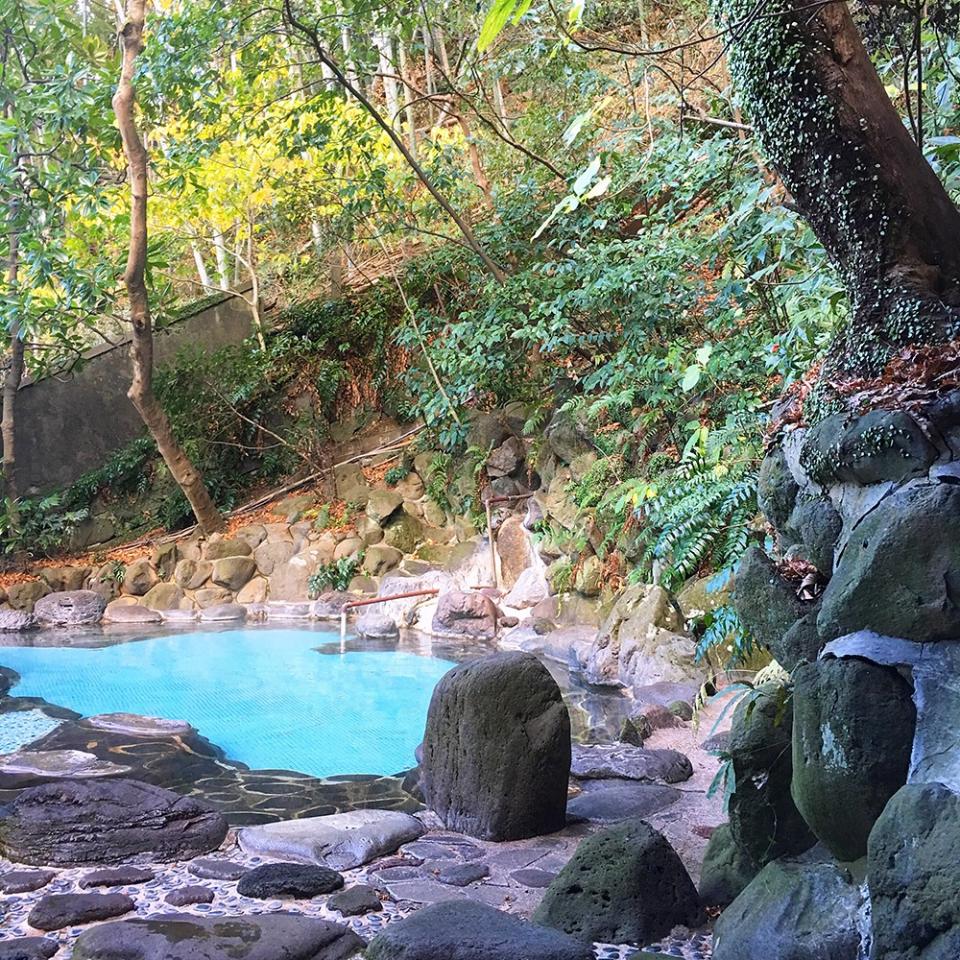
335, 575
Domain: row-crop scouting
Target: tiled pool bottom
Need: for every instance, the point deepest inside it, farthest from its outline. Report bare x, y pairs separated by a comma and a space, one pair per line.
20, 727
272, 784
266, 697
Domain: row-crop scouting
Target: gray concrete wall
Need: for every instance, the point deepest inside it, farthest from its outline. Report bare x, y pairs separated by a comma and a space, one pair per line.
68, 425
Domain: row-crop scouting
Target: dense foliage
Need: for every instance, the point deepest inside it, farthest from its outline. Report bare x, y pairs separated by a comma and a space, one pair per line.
654, 282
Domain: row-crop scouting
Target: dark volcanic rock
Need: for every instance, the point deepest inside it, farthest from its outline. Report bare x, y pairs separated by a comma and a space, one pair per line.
71, 823
625, 884
776, 488
818, 526
70, 608
24, 881
764, 820
794, 909
899, 574
914, 876
884, 445
28, 948
853, 725
472, 931
185, 937
190, 894
356, 901
117, 877
726, 869
496, 750
296, 880
209, 869
767, 604
58, 910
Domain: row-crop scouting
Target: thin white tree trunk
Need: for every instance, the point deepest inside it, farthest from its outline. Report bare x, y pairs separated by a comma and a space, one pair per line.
201, 266
220, 252
384, 45
408, 101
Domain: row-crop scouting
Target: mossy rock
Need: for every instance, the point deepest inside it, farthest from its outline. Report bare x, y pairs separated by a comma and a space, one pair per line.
768, 605
853, 727
899, 574
776, 489
625, 884
794, 909
914, 875
764, 821
726, 870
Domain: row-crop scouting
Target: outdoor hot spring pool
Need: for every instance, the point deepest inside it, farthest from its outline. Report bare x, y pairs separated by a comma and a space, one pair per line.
267, 697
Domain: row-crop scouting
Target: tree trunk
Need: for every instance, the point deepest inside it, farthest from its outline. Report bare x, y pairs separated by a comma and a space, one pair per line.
220, 252
201, 266
141, 388
856, 175
408, 100
11, 383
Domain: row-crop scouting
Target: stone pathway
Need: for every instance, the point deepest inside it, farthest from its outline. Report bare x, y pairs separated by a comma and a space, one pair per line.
509, 876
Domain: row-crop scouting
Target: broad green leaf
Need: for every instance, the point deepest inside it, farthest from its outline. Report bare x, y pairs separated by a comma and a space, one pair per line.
586, 177
691, 378
496, 19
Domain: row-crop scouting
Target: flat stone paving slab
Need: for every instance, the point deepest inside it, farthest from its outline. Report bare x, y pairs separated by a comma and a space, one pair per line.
622, 761
117, 877
58, 910
209, 869
66, 764
341, 841
611, 802
137, 726
24, 881
186, 937
293, 880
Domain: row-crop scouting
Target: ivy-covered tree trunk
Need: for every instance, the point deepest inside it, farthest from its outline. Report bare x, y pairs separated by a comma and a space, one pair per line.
141, 389
855, 172
864, 505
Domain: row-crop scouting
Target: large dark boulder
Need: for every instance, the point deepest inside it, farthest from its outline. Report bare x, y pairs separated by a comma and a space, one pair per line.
914, 875
496, 750
776, 488
764, 822
726, 869
882, 445
625, 884
817, 525
181, 936
794, 909
885, 445
899, 573
464, 930
853, 725
73, 823
768, 605
70, 608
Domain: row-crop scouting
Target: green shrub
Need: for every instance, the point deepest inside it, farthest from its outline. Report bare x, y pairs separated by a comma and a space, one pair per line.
335, 575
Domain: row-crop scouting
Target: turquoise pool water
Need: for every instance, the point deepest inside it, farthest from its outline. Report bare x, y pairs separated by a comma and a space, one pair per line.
266, 697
